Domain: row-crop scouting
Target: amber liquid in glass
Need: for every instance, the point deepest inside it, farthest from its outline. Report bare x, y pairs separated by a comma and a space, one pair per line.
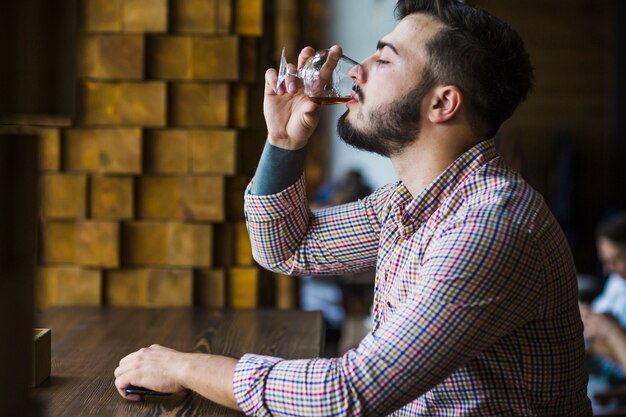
330, 100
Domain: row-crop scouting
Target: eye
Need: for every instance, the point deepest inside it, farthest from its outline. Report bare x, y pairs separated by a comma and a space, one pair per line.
381, 62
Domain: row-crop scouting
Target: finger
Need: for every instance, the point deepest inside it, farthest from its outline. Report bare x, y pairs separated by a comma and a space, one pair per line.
304, 56
159, 348
271, 77
124, 368
291, 81
336, 48
128, 358
121, 384
326, 72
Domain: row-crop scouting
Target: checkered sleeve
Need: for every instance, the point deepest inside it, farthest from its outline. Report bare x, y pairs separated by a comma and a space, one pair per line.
288, 238
464, 298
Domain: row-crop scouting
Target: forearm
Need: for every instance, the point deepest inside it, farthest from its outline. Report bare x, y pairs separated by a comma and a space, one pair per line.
277, 170
210, 376
601, 347
616, 342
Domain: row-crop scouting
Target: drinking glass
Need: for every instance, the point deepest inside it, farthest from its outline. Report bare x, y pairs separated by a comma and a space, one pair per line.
322, 84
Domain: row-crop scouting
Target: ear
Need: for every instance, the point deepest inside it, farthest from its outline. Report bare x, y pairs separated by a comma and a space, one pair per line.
446, 101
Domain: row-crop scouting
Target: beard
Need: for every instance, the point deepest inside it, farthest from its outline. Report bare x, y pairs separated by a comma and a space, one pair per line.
391, 126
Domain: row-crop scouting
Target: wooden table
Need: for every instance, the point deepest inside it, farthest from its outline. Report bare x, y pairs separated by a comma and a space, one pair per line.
87, 344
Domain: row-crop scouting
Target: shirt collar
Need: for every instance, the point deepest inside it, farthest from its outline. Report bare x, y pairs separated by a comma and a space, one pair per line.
420, 208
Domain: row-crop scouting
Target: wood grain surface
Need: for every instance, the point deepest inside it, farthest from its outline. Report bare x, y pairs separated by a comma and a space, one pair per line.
87, 344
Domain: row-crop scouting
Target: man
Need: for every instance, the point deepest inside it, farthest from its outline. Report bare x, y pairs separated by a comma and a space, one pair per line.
475, 308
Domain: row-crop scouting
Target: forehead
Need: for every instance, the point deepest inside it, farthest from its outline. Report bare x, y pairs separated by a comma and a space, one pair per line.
412, 33
609, 249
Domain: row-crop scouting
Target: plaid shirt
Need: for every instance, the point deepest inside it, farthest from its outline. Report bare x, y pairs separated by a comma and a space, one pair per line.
475, 307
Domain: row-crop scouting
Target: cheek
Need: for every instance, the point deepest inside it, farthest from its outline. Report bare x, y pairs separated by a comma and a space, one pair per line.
387, 85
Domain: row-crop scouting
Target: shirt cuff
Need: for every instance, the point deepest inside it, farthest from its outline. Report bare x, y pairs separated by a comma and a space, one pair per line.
260, 208
249, 380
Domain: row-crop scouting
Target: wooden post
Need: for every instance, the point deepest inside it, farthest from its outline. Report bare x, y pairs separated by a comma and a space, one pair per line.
18, 231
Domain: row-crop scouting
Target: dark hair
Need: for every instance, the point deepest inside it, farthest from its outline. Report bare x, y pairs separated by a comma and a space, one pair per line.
613, 228
483, 56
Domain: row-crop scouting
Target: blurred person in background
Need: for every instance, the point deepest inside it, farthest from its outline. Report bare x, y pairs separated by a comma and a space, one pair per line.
605, 318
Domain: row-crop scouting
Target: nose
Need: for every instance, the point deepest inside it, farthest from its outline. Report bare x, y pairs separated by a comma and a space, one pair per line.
357, 73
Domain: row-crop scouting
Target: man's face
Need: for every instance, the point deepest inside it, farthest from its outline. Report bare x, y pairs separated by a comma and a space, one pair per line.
612, 256
385, 113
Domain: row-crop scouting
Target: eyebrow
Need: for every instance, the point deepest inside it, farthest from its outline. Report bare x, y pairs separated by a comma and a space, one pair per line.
381, 44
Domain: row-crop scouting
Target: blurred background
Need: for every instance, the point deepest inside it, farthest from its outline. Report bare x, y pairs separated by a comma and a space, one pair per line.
147, 121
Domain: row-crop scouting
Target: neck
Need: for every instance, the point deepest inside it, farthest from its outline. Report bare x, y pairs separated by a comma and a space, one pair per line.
429, 155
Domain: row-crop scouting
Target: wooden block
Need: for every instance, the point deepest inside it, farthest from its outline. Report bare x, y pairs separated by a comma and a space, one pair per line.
97, 243
225, 12
103, 15
216, 58
63, 195
111, 197
243, 247
84, 242
246, 106
287, 26
243, 286
207, 17
249, 70
67, 286
234, 248
110, 151
213, 151
149, 288
58, 239
49, 149
190, 244
199, 104
167, 243
210, 288
125, 15
42, 356
249, 18
235, 188
193, 58
123, 103
197, 197
286, 292
198, 151
170, 57
111, 56
145, 15
145, 243
167, 151
239, 106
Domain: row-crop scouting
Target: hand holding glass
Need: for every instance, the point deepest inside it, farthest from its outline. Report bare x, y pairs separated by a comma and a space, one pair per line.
323, 84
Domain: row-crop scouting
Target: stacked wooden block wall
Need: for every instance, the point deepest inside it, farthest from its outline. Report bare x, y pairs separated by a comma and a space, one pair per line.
142, 197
